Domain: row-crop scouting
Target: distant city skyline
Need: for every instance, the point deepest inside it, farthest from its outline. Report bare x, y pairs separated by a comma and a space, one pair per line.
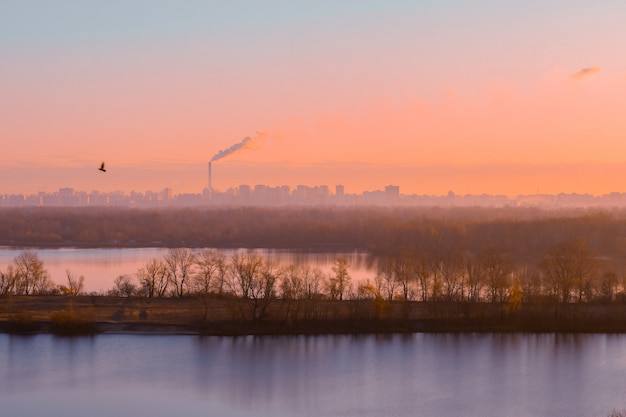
304, 195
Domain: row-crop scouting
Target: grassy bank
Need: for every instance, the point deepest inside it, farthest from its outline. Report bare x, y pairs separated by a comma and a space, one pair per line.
229, 316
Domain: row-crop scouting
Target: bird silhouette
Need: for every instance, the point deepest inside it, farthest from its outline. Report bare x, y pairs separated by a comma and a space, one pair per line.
102, 168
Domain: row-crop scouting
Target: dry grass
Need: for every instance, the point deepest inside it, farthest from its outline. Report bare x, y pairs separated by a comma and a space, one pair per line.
91, 314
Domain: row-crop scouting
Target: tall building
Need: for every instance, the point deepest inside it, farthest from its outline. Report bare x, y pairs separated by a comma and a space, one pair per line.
392, 193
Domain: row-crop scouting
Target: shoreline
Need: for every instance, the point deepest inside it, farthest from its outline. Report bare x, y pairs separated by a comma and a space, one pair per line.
90, 315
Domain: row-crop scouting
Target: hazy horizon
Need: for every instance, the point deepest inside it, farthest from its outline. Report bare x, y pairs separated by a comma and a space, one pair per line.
419, 180
470, 97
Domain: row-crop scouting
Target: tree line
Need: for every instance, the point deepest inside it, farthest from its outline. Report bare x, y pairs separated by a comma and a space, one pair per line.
27, 275
566, 272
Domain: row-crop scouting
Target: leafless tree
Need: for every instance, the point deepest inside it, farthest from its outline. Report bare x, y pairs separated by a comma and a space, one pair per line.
608, 285
529, 278
498, 268
403, 269
154, 278
209, 273
423, 275
340, 282
585, 269
292, 291
253, 279
475, 278
293, 286
7, 281
180, 262
264, 292
568, 267
123, 286
74, 284
385, 282
313, 281
242, 271
451, 269
300, 289
30, 275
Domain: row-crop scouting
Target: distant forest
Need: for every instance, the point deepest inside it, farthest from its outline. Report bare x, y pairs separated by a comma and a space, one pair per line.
523, 234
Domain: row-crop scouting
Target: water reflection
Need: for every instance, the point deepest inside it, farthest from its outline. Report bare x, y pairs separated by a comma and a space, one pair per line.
401, 375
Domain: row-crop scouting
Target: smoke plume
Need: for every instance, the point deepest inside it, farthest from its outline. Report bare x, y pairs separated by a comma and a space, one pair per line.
236, 147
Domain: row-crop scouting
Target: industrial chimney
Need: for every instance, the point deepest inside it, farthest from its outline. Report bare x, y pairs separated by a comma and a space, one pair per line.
210, 184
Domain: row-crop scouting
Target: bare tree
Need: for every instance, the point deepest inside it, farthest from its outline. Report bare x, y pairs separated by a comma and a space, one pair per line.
475, 274
585, 268
154, 278
423, 274
74, 284
385, 281
7, 281
403, 269
568, 267
123, 286
529, 278
498, 268
254, 280
293, 286
242, 271
340, 282
608, 285
180, 263
451, 269
30, 275
313, 281
301, 288
209, 272
264, 291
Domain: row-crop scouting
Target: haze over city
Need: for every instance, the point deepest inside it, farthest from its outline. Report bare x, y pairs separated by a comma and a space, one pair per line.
474, 97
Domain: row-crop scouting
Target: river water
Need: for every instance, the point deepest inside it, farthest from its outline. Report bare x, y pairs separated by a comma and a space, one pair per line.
441, 375
100, 267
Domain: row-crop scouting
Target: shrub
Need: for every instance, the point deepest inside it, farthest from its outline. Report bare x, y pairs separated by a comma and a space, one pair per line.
21, 322
67, 323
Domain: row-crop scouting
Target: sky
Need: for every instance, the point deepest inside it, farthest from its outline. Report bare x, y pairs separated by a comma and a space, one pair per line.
470, 96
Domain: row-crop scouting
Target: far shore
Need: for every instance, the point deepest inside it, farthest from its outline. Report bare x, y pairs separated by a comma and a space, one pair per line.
86, 315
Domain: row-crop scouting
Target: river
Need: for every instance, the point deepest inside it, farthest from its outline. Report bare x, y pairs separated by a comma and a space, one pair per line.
100, 267
441, 375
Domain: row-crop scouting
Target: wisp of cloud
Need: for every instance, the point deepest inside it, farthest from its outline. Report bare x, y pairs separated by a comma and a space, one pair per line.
585, 72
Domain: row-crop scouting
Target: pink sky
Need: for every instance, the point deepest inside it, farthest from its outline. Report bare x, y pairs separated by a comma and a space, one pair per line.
429, 96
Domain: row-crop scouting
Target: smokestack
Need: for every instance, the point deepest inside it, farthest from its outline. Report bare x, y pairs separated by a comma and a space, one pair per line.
244, 144
210, 183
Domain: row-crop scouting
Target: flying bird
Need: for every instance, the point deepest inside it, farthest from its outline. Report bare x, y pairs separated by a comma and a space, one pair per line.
102, 168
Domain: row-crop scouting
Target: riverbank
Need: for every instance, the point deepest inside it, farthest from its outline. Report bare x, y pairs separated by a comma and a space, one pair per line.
229, 316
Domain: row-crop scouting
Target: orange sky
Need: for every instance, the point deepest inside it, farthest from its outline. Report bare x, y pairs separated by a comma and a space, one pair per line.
469, 98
